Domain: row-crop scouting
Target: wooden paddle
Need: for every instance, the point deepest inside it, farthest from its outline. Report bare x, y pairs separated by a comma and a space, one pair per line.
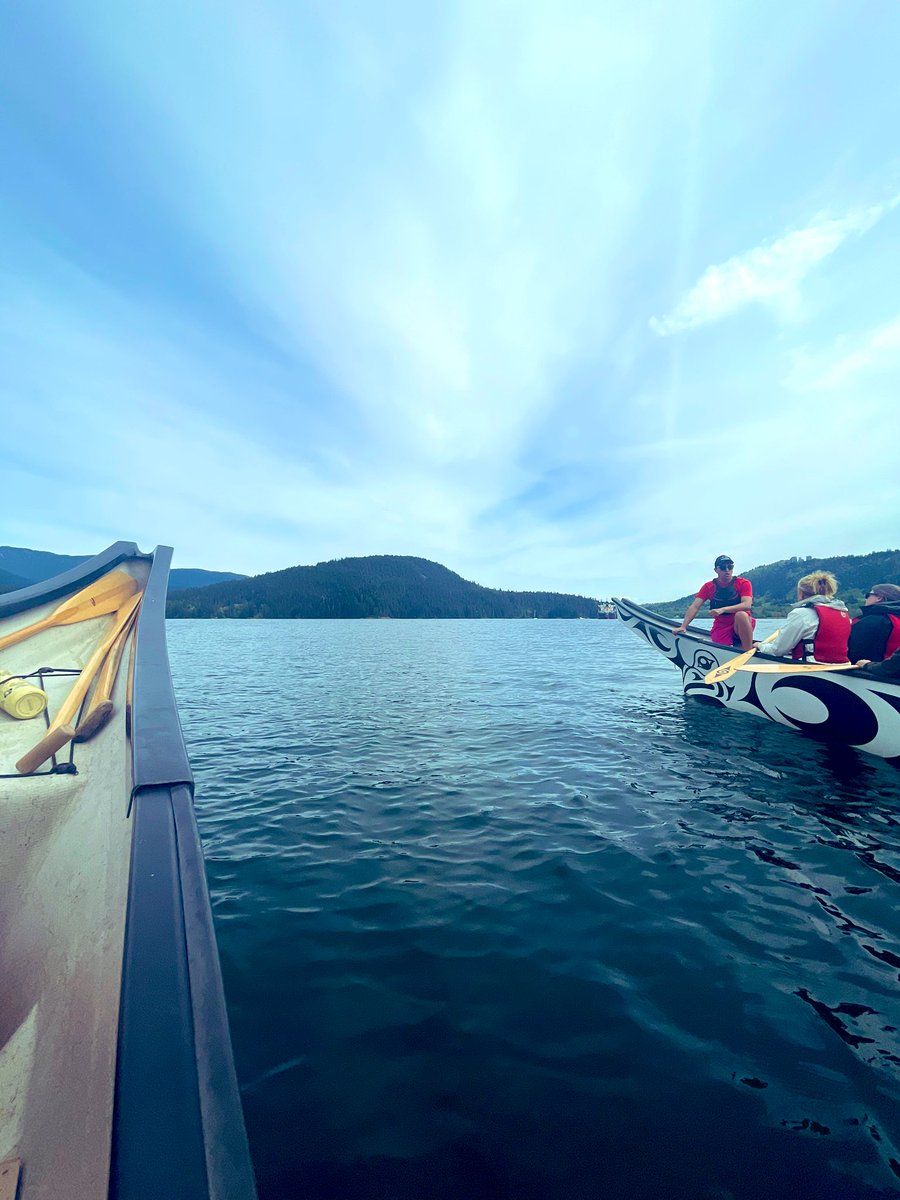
104, 595
61, 726
718, 674
9, 1178
129, 688
100, 707
795, 668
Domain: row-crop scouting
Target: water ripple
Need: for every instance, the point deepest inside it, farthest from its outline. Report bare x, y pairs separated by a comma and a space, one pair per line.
502, 915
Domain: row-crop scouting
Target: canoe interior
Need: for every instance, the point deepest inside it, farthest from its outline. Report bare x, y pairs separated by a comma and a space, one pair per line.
64, 852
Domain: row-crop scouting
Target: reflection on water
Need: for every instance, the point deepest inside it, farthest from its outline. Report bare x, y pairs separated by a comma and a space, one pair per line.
502, 914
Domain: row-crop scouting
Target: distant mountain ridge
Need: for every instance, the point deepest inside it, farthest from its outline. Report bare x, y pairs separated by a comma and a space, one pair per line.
775, 584
12, 583
383, 585
20, 568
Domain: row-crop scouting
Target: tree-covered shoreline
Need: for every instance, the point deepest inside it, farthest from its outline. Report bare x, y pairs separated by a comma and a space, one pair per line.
375, 586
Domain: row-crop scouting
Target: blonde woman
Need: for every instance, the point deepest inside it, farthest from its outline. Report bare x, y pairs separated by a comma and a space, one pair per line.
818, 626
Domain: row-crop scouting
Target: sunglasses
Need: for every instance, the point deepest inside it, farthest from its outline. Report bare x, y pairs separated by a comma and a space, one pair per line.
726, 566
868, 594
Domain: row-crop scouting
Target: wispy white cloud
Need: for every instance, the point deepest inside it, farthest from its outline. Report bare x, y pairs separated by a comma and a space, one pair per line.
375, 279
878, 350
769, 274
438, 254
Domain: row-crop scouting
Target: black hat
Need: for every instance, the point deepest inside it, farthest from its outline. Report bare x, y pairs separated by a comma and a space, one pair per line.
724, 561
889, 592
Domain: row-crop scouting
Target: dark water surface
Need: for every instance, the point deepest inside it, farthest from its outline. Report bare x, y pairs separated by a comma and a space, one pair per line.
503, 916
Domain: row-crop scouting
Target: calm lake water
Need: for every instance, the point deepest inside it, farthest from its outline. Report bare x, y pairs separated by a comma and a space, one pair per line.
503, 916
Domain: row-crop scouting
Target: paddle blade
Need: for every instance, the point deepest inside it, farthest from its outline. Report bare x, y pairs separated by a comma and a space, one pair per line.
726, 670
104, 595
718, 674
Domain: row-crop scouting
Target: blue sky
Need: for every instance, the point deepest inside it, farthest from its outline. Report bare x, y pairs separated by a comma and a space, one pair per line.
567, 295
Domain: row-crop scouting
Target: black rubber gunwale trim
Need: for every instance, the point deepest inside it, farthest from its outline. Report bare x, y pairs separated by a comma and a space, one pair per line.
159, 757
174, 1043
157, 1139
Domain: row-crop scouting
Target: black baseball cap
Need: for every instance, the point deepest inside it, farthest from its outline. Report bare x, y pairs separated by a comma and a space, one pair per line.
724, 561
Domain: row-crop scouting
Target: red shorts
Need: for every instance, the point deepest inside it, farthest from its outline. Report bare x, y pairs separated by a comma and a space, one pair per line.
723, 633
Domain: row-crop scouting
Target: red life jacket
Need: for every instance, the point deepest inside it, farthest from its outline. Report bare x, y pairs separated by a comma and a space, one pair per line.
831, 638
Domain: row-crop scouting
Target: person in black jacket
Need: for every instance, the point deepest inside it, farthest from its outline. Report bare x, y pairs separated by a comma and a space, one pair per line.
877, 624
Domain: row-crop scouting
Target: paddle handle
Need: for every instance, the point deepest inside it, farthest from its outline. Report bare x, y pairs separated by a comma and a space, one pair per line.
797, 668
52, 741
19, 635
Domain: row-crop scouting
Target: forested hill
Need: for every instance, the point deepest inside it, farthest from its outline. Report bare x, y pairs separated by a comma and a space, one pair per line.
775, 585
383, 585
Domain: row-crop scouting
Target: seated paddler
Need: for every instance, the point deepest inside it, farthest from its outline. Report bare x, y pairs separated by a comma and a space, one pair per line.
876, 631
730, 597
817, 627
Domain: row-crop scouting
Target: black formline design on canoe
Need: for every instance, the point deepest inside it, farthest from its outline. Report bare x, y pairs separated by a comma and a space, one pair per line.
844, 707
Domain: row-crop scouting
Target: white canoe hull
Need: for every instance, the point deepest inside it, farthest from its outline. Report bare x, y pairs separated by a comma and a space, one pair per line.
844, 707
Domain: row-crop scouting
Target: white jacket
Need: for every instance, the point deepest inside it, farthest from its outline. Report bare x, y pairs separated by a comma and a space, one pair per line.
800, 626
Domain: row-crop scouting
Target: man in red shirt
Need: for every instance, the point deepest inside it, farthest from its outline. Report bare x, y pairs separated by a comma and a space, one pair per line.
730, 597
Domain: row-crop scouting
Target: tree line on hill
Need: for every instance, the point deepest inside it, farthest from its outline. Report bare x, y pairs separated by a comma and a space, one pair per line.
775, 585
382, 585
